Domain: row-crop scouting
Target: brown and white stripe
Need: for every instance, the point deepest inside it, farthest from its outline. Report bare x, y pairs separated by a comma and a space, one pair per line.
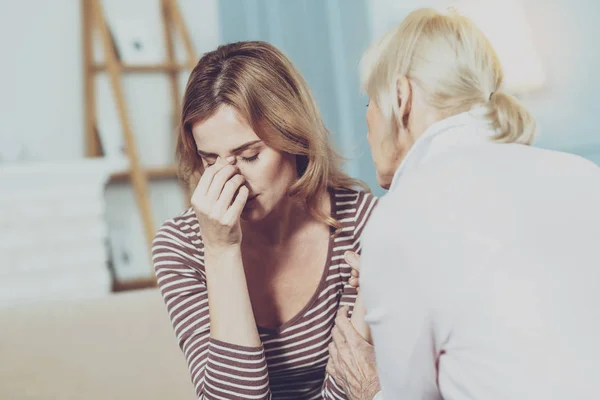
291, 362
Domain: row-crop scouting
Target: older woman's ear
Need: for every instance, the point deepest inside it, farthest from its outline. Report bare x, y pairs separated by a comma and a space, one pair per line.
404, 101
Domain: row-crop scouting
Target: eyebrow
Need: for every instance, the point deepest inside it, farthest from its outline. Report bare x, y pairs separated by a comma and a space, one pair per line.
238, 149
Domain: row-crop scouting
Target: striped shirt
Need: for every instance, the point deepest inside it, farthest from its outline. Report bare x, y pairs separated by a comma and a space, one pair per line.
290, 363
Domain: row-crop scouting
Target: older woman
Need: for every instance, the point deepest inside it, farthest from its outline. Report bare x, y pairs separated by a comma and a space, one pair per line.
481, 269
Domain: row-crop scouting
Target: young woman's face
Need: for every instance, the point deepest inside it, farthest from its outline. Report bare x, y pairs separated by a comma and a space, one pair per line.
269, 173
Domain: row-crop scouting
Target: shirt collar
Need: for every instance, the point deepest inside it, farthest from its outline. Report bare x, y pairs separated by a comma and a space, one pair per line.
466, 128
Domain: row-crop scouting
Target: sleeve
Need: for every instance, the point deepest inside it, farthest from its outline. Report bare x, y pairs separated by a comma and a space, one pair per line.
218, 370
366, 203
416, 277
398, 311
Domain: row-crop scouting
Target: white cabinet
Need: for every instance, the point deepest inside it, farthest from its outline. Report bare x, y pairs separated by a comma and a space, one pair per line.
53, 231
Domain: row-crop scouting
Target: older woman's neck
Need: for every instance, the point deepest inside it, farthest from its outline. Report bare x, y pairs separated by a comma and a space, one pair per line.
421, 118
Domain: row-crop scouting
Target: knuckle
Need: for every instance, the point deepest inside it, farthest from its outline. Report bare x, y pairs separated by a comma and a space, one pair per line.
199, 207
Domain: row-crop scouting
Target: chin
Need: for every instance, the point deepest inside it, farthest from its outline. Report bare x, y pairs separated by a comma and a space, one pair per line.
252, 216
254, 213
384, 182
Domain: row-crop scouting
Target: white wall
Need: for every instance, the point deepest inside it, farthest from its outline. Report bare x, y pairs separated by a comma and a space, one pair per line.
41, 97
564, 33
41, 78
41, 73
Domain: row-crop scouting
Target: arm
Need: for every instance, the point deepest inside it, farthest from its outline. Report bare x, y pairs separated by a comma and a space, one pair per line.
231, 315
350, 296
401, 287
225, 355
218, 368
352, 354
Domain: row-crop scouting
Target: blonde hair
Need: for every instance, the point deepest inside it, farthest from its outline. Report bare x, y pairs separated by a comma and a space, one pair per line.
267, 91
452, 61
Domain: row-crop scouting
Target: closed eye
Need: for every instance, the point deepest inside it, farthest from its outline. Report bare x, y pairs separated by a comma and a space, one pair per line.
250, 159
208, 163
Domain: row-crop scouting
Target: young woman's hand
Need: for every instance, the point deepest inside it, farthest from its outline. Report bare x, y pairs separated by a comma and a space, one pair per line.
218, 200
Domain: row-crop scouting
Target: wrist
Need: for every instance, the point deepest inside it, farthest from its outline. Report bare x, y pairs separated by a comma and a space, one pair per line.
373, 390
221, 254
378, 396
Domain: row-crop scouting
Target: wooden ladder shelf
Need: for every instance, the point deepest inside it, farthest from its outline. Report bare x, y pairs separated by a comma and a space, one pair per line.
94, 20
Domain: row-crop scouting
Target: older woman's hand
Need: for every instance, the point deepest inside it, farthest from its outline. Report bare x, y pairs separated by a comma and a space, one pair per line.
352, 360
353, 261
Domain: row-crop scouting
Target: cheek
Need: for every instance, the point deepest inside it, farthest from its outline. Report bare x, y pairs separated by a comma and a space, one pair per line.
269, 171
375, 143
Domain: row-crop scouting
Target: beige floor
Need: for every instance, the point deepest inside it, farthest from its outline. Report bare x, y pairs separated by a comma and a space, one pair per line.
120, 347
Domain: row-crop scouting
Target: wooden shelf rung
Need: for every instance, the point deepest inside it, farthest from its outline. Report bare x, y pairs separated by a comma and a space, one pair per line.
151, 173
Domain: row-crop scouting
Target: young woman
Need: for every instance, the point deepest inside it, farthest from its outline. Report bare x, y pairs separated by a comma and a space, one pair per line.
254, 273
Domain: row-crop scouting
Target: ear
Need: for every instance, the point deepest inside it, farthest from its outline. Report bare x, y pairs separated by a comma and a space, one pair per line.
404, 98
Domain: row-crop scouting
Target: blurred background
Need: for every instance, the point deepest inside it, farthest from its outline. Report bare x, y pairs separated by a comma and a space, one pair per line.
89, 92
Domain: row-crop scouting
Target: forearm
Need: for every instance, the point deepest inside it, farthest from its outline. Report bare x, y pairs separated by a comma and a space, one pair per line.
231, 316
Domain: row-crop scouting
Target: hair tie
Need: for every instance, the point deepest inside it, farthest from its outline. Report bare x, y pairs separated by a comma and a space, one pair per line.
491, 94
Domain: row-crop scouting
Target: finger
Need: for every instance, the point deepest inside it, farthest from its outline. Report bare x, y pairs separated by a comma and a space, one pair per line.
209, 174
338, 338
344, 325
330, 368
342, 312
353, 282
352, 259
354, 273
333, 353
235, 210
218, 182
228, 194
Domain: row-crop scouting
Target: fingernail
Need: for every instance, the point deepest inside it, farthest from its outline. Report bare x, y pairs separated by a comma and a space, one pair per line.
230, 159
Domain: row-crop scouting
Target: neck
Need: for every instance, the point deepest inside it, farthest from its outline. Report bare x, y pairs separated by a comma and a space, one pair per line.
279, 226
422, 121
